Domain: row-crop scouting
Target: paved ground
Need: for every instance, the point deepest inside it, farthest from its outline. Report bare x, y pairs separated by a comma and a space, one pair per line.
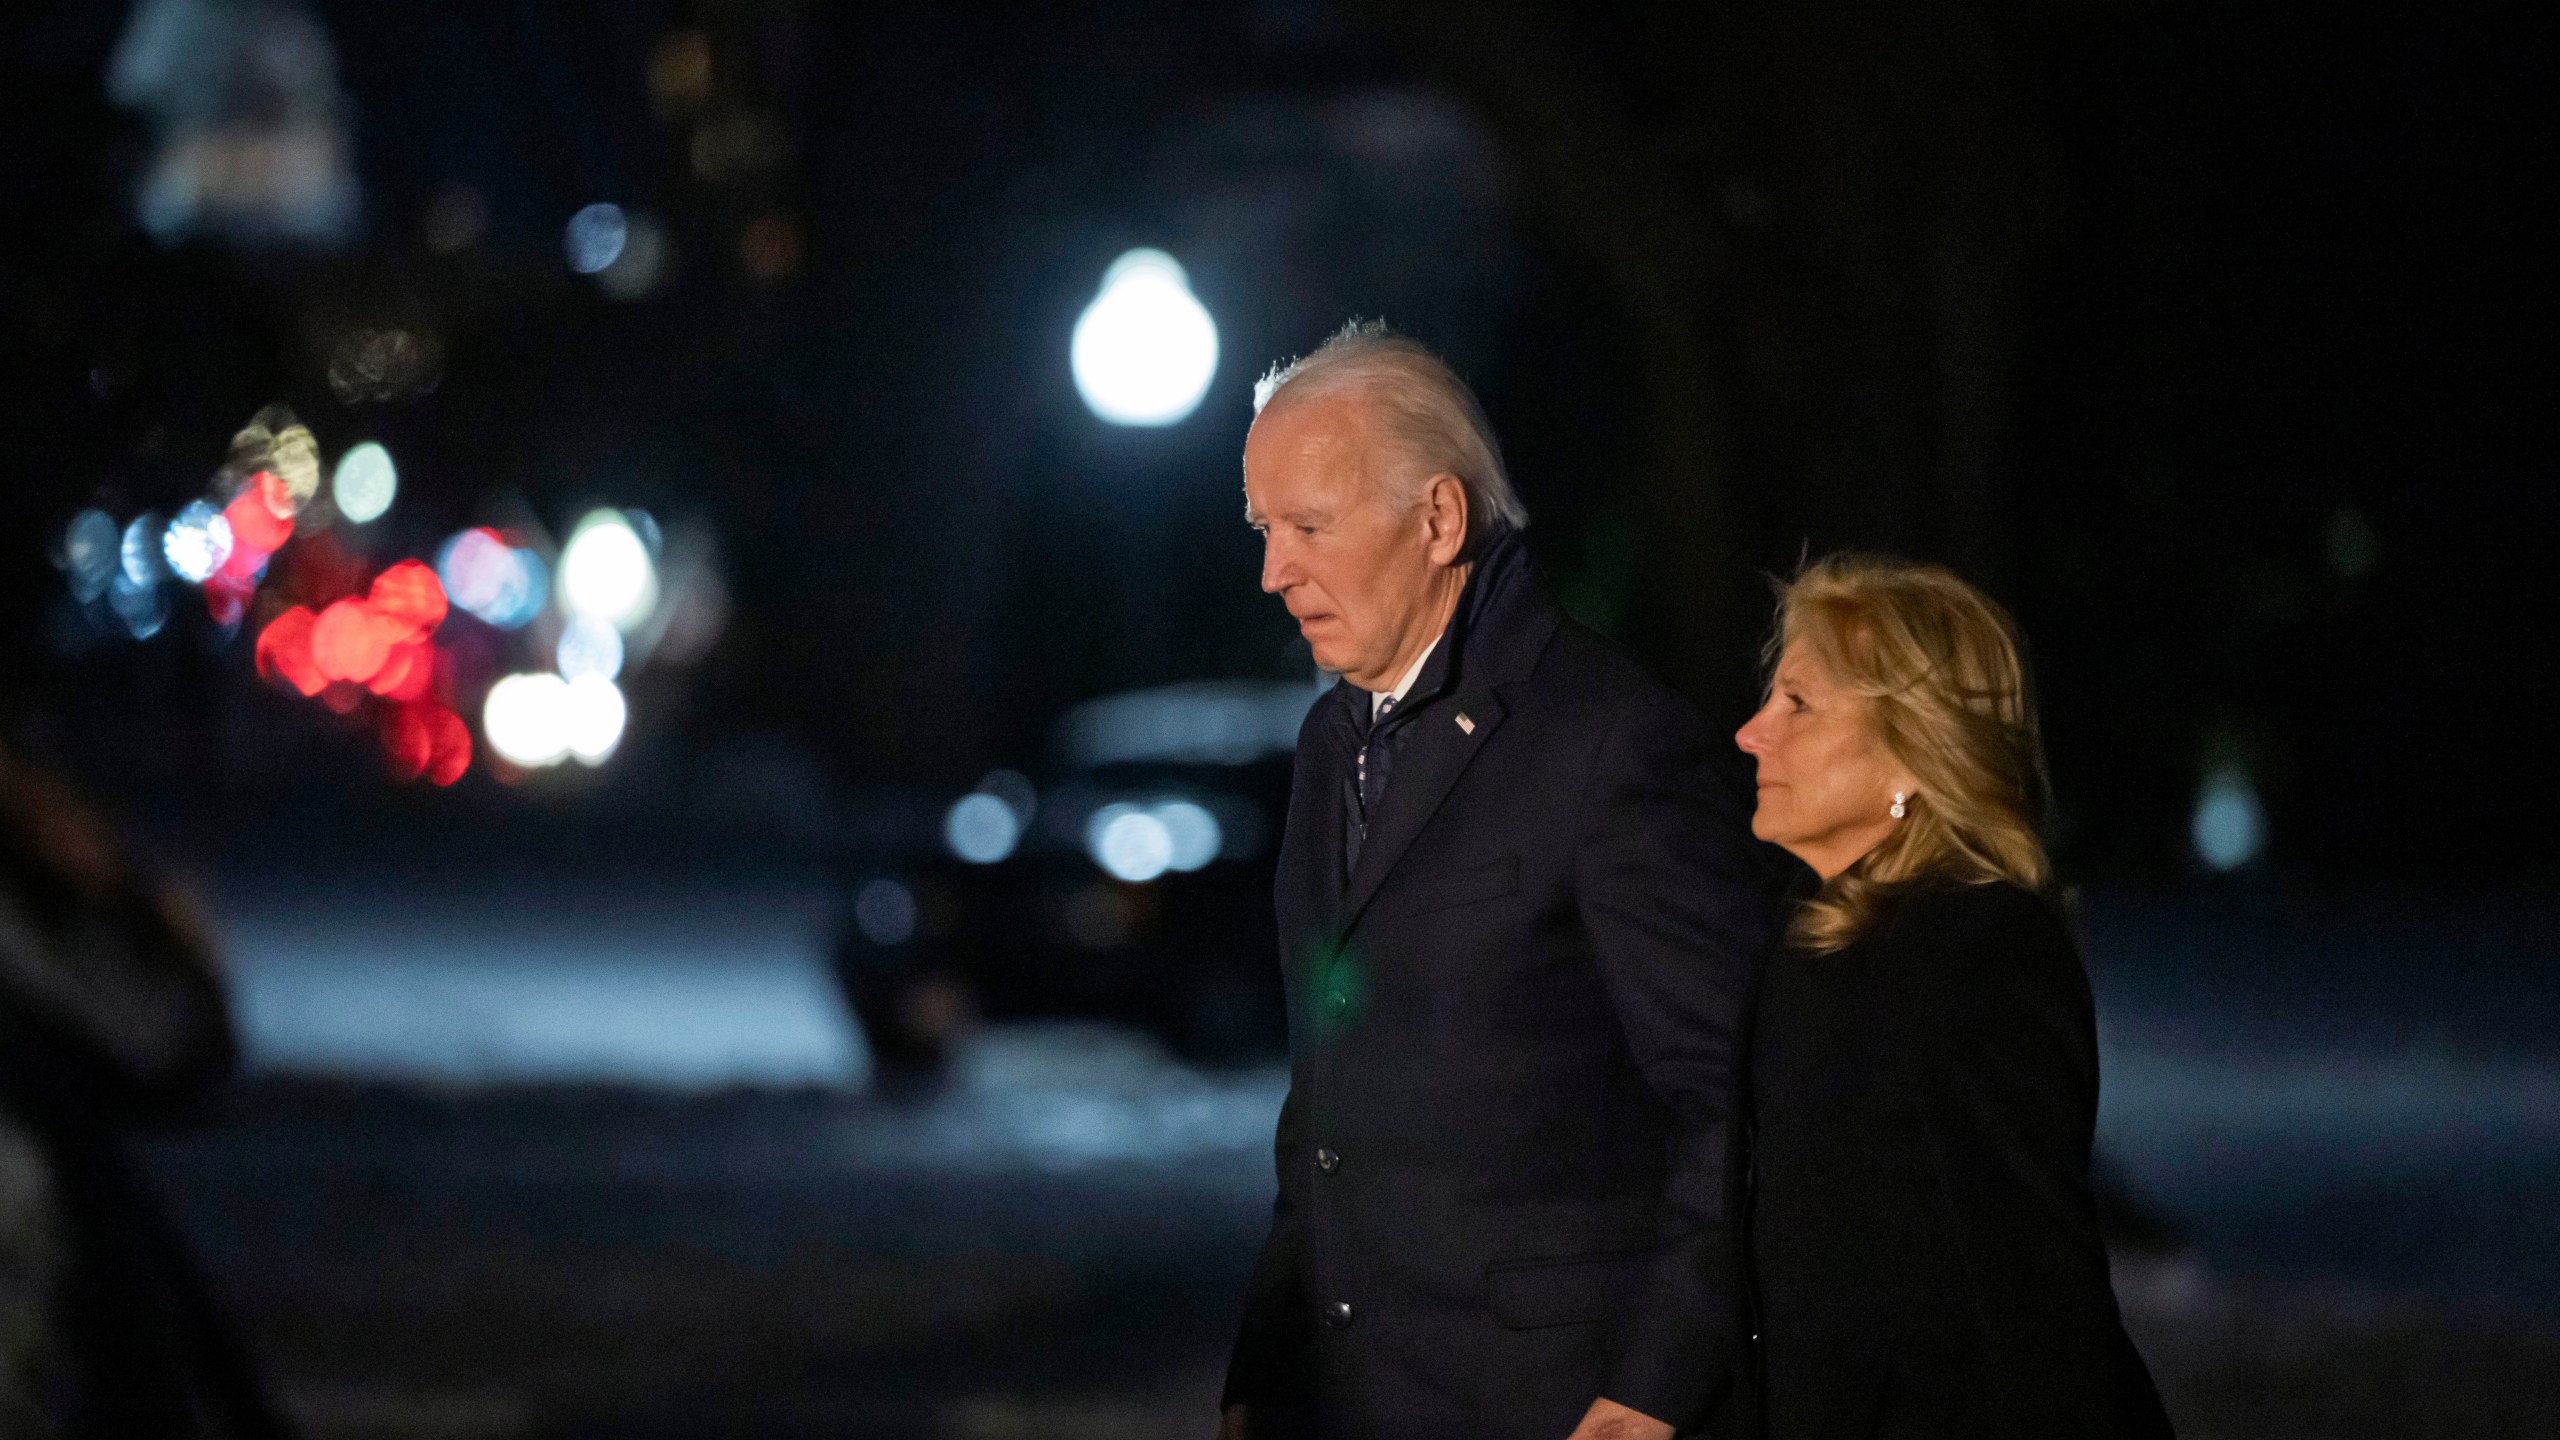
1052, 1244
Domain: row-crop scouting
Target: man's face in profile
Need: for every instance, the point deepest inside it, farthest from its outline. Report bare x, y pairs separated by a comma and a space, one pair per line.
1354, 567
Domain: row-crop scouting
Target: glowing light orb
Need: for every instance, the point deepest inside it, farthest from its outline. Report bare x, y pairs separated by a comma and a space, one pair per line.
886, 912
143, 608
1194, 832
1129, 843
425, 742
139, 554
406, 742
91, 553
410, 594
365, 482
588, 646
502, 585
595, 238
1144, 351
293, 466
606, 572
226, 598
197, 543
284, 652
452, 757
2230, 826
981, 828
352, 641
408, 673
257, 526
594, 719
527, 719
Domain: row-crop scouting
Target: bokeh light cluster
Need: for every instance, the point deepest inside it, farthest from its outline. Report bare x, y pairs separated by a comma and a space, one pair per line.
1137, 843
221, 543
380, 644
539, 719
282, 558
502, 583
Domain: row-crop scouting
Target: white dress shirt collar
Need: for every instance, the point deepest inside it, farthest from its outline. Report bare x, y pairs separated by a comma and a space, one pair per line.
1378, 698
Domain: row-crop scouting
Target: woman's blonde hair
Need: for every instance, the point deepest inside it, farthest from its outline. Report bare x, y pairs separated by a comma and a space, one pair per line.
1939, 664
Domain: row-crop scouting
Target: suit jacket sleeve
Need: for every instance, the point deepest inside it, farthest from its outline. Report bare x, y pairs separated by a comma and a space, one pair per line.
1272, 1366
1674, 897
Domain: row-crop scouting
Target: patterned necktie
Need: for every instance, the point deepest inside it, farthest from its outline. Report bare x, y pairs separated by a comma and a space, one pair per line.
1370, 774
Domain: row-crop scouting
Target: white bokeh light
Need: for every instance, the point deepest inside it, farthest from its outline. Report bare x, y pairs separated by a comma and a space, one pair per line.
606, 572
981, 828
527, 720
1145, 350
1129, 843
140, 555
588, 646
197, 543
91, 553
364, 482
594, 718
143, 607
1194, 832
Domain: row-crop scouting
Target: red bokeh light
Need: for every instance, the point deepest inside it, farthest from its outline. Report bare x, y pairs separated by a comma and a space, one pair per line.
351, 640
273, 493
452, 755
410, 592
226, 596
426, 741
284, 652
408, 673
379, 643
256, 531
405, 741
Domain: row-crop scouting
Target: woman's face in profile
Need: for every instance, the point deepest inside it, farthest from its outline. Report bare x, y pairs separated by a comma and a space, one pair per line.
1826, 780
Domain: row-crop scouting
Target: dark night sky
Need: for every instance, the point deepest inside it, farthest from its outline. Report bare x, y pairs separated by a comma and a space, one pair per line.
2293, 300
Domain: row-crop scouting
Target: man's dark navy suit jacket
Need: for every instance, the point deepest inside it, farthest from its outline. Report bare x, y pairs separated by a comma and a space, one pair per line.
1508, 1161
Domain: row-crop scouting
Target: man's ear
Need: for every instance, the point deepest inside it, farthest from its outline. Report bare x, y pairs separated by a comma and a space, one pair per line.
1444, 508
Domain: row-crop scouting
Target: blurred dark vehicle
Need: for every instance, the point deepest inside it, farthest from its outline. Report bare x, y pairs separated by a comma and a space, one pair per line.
1134, 887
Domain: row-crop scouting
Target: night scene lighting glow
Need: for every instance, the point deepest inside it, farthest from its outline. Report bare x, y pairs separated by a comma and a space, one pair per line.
1145, 349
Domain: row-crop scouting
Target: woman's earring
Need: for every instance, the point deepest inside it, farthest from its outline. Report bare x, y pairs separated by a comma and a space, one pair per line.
1898, 798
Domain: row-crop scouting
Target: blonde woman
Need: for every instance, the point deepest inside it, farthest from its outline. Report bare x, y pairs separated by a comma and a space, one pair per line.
1924, 1074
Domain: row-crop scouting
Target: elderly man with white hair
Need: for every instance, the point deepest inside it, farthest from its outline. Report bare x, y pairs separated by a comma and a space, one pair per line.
1520, 915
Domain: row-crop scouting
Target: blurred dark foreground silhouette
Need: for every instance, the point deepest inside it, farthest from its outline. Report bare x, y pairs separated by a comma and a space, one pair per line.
112, 1017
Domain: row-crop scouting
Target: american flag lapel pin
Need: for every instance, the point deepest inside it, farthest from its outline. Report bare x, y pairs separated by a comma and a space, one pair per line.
1466, 724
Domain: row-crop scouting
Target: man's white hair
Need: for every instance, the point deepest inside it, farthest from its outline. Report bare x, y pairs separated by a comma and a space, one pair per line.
1421, 407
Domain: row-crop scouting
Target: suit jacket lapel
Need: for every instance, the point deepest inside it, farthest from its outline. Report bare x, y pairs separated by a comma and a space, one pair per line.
1311, 845
1427, 766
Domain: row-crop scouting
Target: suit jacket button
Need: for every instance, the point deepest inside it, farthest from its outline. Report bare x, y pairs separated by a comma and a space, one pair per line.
1327, 1161
1338, 1314
1335, 1002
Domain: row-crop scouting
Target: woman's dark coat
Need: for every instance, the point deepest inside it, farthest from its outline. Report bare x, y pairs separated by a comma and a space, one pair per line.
1924, 1237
